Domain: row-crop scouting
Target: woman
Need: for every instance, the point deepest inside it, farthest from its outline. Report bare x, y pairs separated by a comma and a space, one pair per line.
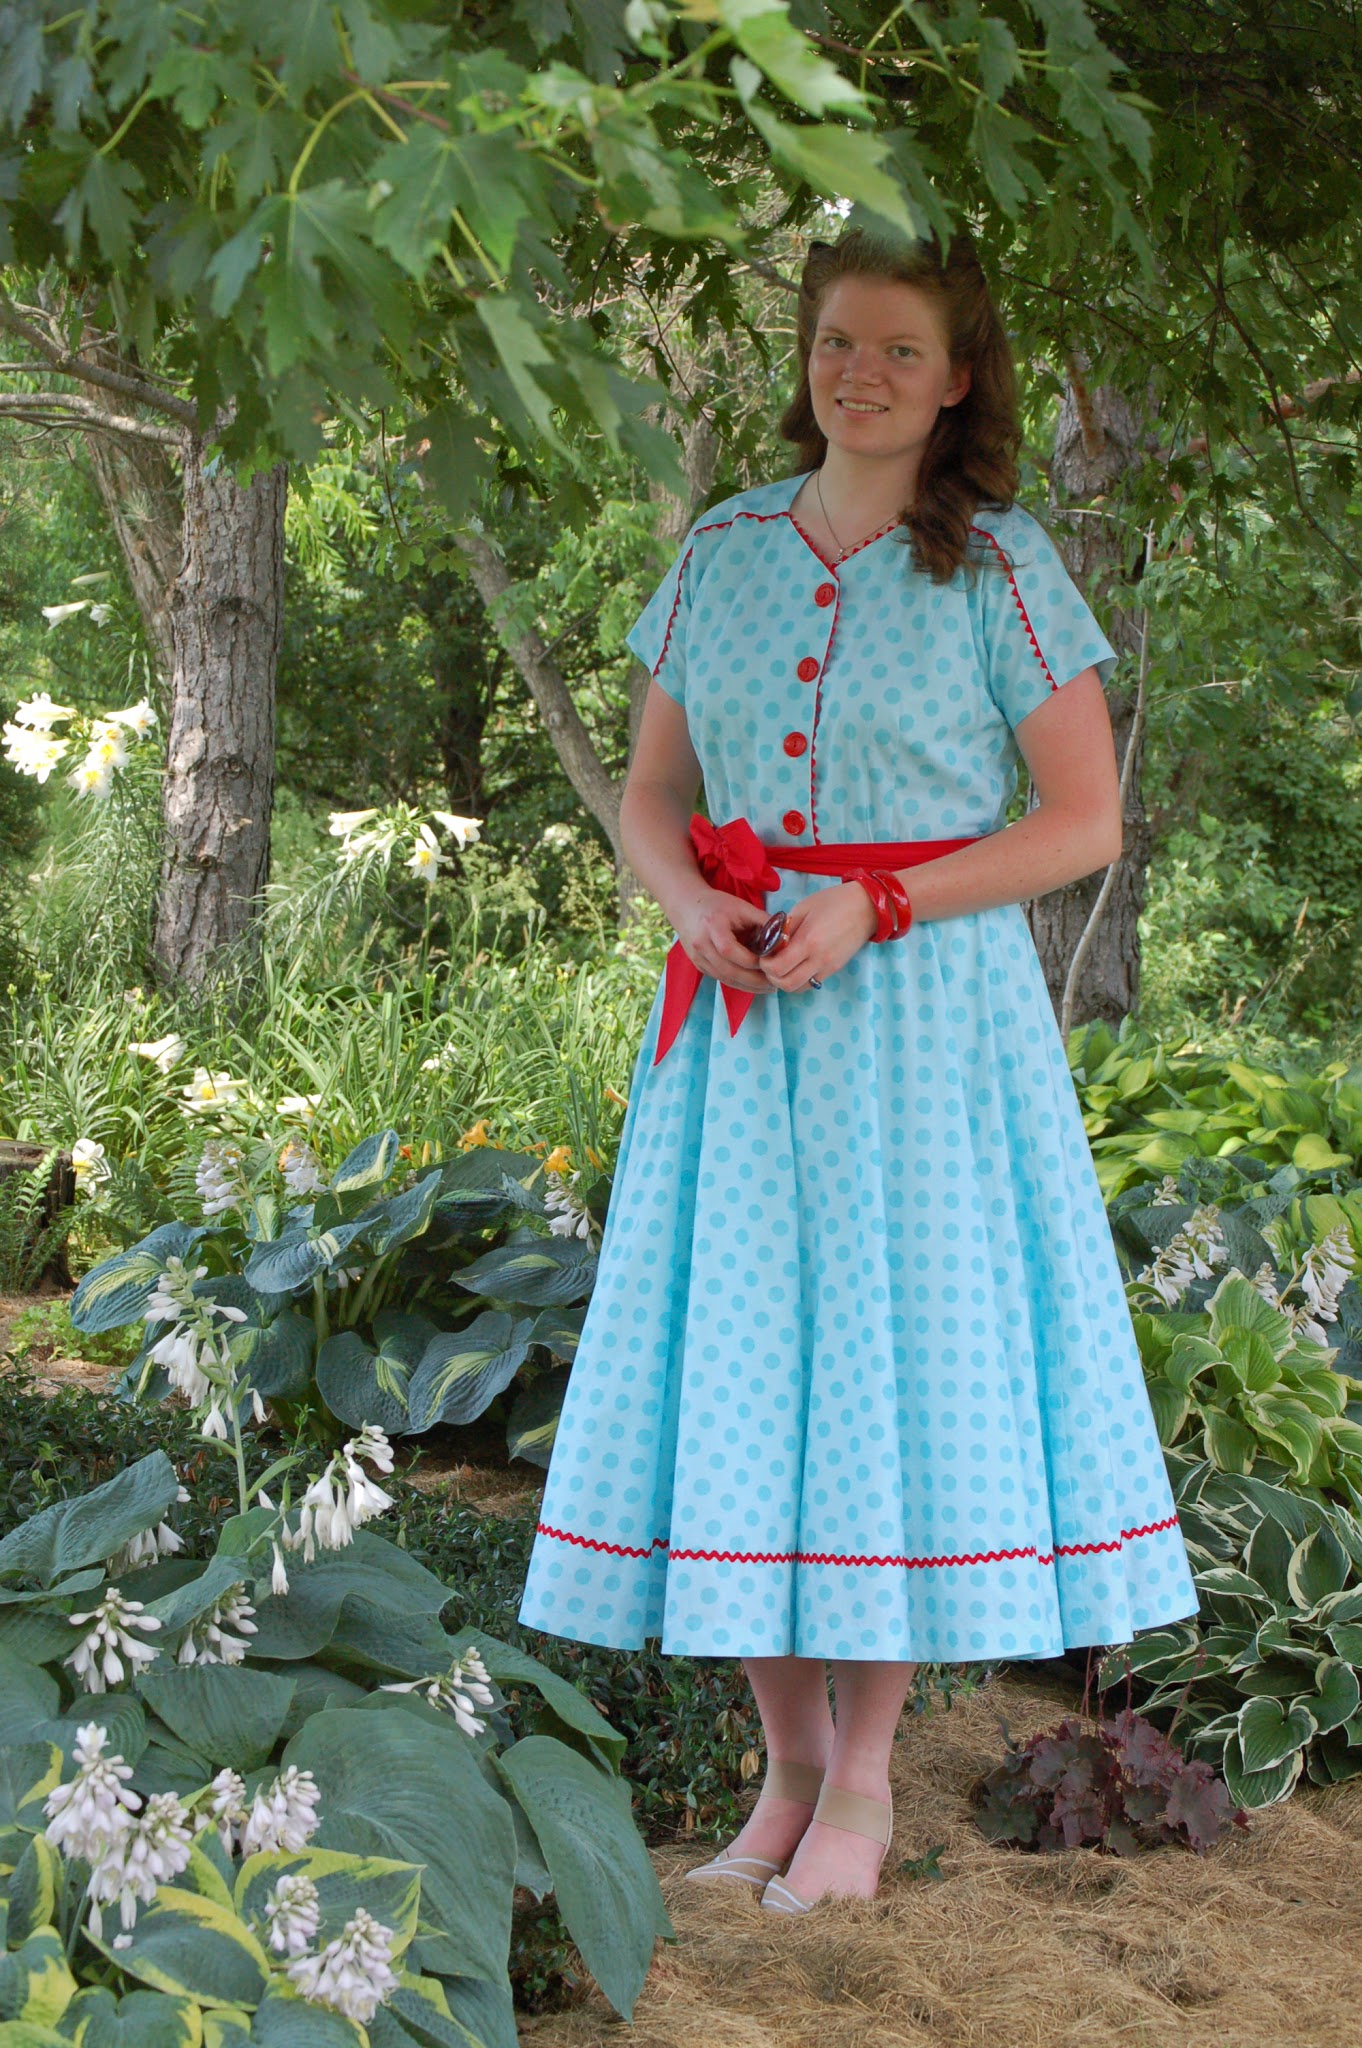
858, 1383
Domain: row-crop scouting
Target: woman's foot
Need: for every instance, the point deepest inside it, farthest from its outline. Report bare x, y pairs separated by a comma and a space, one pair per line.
832, 1862
776, 1822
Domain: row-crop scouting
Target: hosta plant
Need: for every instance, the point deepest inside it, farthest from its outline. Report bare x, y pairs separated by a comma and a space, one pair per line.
387, 1291
303, 1664
1149, 1108
1233, 1313
1264, 1682
1118, 1785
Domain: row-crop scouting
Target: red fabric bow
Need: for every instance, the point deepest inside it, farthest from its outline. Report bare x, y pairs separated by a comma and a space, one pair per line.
732, 858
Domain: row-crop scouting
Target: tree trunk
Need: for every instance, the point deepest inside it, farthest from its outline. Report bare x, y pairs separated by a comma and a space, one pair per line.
141, 495
1100, 440
227, 608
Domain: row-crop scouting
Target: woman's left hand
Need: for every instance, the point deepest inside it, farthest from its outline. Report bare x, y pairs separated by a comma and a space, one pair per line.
822, 932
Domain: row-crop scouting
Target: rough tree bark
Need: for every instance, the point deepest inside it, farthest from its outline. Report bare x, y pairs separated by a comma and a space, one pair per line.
1100, 439
205, 559
227, 618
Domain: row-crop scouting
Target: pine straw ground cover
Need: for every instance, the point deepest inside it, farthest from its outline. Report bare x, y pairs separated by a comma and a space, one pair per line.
1256, 1945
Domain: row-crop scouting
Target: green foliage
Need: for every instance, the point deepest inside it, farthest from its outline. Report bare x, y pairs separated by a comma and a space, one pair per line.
33, 1226
1119, 1785
1265, 1681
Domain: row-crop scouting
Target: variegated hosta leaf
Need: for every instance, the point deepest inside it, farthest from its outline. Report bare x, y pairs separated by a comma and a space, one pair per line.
542, 1272
95, 2018
386, 1888
36, 1983
118, 1289
372, 1160
360, 1384
462, 1371
192, 1947
533, 1422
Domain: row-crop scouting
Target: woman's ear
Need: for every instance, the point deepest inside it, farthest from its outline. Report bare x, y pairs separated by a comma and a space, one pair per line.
958, 386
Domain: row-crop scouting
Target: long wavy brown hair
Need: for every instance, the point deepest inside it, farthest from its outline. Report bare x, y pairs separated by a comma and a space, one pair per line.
971, 455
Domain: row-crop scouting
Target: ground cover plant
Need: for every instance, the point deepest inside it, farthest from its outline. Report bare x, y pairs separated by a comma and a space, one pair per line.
294, 1691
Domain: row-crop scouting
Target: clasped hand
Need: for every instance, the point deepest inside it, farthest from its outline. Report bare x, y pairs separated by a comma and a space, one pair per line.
822, 932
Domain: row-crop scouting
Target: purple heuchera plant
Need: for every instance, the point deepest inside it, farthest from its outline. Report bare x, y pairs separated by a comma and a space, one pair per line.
1120, 1785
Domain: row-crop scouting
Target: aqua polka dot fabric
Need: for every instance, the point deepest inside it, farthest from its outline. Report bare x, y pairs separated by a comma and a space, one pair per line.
858, 1377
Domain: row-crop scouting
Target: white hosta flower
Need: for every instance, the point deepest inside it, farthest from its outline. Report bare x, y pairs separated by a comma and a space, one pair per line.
1264, 1282
210, 1639
56, 613
208, 1092
304, 1106
372, 1445
144, 1549
226, 1808
162, 1051
300, 1167
354, 1973
173, 1295
1191, 1254
218, 1179
466, 1685
181, 1353
294, 1913
1326, 1268
87, 1814
461, 830
98, 1659
284, 1815
33, 753
152, 1850
1168, 1191
279, 1575
89, 1164
139, 718
94, 777
568, 1213
426, 858
41, 713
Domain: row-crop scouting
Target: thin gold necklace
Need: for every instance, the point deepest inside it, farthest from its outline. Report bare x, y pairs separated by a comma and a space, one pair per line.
818, 486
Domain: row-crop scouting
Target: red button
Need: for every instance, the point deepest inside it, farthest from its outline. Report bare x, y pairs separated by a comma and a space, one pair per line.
825, 593
807, 670
793, 821
795, 742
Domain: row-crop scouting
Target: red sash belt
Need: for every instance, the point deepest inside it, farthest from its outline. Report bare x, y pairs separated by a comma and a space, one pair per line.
731, 857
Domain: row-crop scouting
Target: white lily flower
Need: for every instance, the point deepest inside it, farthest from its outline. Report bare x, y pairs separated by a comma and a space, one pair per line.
354, 1973
89, 1164
87, 1814
461, 830
93, 777
162, 1051
56, 613
344, 823
100, 612
426, 858
294, 1912
139, 717
304, 1106
33, 753
41, 713
208, 1092
97, 1660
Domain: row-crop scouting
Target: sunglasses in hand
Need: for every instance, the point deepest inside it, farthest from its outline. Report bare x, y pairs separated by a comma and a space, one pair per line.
763, 939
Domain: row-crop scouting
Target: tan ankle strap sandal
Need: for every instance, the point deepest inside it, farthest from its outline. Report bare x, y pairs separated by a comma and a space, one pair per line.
836, 1809
784, 1781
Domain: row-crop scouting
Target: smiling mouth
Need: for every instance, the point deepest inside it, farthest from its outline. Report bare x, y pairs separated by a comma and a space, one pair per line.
861, 405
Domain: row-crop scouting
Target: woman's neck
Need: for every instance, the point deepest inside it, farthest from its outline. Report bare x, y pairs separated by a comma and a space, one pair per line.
864, 492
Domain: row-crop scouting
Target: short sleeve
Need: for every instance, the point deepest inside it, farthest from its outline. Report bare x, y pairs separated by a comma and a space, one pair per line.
658, 634
1038, 631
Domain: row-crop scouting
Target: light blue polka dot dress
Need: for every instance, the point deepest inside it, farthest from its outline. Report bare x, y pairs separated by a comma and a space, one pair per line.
858, 1377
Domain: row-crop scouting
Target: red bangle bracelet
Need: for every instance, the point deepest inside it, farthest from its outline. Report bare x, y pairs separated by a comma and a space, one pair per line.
885, 918
898, 896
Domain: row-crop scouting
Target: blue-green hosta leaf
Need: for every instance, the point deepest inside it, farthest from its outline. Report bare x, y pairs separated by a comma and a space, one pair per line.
389, 1890
36, 1984
227, 1711
286, 2020
292, 1260
120, 1713
192, 1947
118, 1289
28, 1772
72, 1533
461, 1371
533, 1421
419, 2011
95, 2018
369, 1164
28, 1694
605, 1885
542, 1272
390, 1783
559, 1330
225, 2028
401, 1217
360, 1384
508, 1666
301, 1622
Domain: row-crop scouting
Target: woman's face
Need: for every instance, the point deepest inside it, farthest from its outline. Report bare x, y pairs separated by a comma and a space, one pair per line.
880, 368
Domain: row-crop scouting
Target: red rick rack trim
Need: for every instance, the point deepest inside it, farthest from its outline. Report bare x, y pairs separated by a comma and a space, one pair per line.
715, 526
1030, 629
828, 1557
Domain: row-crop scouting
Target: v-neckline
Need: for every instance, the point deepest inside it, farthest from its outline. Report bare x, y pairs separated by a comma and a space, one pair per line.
812, 544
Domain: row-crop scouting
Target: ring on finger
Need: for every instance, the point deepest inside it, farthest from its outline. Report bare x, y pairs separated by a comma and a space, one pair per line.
814, 981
